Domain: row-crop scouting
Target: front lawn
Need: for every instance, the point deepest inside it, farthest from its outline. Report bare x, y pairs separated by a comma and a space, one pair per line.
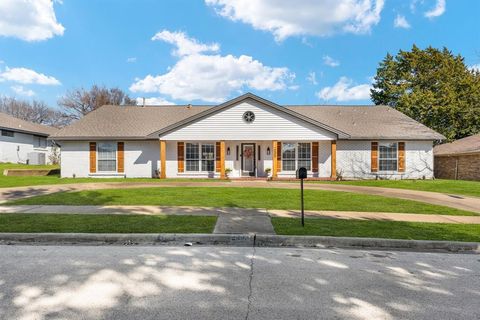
89, 223
239, 197
11, 181
460, 187
378, 229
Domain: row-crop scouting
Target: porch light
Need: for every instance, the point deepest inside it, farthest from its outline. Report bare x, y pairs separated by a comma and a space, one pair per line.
268, 151
228, 151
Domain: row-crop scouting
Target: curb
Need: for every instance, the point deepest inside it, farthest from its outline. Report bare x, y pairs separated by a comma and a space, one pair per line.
236, 240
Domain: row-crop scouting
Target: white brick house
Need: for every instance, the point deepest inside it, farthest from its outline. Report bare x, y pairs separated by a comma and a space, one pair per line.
247, 135
24, 142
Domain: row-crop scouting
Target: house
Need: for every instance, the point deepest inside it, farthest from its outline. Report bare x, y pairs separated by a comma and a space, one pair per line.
247, 135
24, 142
459, 159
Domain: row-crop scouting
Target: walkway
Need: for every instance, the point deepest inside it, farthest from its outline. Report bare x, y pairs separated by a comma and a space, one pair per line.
238, 220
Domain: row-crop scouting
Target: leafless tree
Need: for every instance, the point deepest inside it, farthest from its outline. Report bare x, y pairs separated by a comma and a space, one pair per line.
34, 111
78, 102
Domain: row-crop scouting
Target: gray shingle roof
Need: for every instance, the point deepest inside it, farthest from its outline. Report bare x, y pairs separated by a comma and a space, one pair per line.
135, 122
15, 124
466, 145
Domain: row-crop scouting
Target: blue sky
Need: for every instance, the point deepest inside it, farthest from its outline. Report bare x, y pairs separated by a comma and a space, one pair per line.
206, 52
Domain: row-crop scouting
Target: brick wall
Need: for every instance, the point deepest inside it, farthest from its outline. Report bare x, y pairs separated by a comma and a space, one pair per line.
468, 167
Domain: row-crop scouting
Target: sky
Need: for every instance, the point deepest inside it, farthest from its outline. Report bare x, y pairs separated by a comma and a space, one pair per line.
206, 52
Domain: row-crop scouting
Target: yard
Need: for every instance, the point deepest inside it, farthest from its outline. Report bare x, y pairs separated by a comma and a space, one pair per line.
89, 223
9, 182
460, 187
239, 197
378, 229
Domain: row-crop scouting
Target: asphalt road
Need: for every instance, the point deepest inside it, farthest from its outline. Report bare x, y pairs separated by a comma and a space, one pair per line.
115, 282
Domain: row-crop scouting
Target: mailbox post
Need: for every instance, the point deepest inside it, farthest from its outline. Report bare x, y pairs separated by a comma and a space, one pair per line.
302, 174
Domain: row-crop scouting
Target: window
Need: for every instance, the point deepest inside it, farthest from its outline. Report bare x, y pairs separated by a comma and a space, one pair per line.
7, 133
208, 157
297, 155
387, 160
192, 157
40, 142
107, 156
304, 156
288, 157
200, 157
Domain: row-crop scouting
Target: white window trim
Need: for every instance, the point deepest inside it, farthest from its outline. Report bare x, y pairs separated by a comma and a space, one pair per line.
199, 171
116, 158
296, 156
378, 159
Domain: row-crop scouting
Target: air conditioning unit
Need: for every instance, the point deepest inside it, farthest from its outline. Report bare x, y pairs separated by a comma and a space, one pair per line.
36, 158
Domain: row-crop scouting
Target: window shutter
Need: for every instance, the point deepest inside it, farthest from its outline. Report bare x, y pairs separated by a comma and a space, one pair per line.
180, 156
93, 157
279, 156
121, 156
218, 164
374, 158
401, 156
315, 156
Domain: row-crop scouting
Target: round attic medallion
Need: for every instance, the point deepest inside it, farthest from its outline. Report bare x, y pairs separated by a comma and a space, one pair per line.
249, 116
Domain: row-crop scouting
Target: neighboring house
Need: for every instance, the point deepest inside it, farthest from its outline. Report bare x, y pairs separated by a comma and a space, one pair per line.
459, 159
247, 135
24, 142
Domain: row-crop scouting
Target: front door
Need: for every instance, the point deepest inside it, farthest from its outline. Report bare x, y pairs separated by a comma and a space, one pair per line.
248, 159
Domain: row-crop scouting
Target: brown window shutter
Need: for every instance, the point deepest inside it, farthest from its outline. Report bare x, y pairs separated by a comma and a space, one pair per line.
120, 157
401, 156
374, 159
315, 156
180, 156
218, 164
93, 157
279, 156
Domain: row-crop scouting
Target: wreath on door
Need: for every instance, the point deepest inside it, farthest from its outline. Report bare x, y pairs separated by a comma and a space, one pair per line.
247, 153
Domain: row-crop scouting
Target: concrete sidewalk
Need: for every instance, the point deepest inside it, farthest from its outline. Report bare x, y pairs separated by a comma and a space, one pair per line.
449, 200
240, 220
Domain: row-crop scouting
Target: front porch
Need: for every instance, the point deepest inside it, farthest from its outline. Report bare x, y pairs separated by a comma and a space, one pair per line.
235, 159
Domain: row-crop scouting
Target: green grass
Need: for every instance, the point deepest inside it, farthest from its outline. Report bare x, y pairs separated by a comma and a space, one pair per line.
460, 187
239, 197
378, 229
89, 223
8, 182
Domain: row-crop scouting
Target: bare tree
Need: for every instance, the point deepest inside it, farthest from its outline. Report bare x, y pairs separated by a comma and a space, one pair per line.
34, 111
78, 102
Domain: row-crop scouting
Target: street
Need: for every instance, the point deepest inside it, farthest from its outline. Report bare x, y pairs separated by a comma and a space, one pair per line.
133, 282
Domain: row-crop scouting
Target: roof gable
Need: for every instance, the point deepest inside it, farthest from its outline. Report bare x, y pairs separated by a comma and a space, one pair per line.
244, 98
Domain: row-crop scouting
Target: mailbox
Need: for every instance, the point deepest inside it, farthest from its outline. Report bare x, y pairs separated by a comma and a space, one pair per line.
301, 173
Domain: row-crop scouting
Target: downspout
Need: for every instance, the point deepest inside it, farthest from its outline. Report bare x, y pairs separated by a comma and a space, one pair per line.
456, 168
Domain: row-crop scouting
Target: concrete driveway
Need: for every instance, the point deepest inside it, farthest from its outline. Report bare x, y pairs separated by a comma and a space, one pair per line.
118, 282
453, 201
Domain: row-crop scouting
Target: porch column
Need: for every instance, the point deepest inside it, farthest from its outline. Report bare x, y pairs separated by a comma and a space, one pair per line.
274, 159
222, 159
333, 161
163, 159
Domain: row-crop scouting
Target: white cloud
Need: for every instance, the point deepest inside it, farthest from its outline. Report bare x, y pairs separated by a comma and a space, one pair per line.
153, 101
27, 76
437, 11
185, 45
32, 20
401, 22
132, 59
20, 90
213, 77
329, 61
317, 18
345, 90
312, 78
